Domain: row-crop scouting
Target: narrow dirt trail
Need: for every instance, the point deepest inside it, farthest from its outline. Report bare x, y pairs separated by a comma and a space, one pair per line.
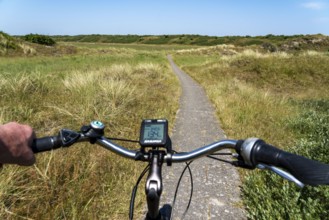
216, 185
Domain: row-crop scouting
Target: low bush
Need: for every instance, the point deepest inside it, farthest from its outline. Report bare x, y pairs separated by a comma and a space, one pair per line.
40, 39
7, 42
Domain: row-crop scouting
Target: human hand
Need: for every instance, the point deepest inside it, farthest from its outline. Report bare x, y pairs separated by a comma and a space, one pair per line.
15, 144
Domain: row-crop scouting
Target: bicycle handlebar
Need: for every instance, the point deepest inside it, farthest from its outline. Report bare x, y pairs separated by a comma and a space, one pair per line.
54, 142
256, 151
252, 152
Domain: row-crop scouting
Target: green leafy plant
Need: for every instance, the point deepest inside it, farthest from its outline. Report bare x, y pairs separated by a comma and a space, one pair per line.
6, 41
40, 39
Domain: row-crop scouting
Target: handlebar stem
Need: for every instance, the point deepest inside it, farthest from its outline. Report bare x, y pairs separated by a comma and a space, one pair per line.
153, 186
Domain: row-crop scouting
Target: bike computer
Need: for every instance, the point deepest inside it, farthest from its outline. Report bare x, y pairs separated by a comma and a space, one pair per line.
154, 133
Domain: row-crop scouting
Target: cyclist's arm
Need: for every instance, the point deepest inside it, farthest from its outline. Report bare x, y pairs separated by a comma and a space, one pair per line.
15, 144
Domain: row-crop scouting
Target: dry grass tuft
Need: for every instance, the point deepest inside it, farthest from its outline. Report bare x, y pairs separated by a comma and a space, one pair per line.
83, 181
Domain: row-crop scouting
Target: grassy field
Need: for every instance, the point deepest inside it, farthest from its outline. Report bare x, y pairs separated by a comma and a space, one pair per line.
279, 97
148, 47
268, 42
119, 86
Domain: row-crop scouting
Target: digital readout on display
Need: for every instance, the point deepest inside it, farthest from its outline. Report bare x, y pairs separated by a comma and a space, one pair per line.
153, 132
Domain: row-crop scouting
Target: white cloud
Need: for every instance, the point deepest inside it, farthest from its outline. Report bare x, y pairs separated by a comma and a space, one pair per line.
314, 5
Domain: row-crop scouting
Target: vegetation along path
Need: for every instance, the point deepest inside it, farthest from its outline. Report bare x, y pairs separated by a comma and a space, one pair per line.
216, 192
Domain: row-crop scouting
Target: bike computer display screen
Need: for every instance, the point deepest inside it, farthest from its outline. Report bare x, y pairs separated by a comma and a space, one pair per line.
154, 133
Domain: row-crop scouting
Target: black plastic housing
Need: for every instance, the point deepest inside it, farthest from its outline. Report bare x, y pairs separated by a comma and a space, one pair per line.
65, 138
306, 170
156, 141
46, 144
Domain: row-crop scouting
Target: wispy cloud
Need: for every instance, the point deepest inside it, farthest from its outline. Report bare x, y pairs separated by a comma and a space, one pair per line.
314, 5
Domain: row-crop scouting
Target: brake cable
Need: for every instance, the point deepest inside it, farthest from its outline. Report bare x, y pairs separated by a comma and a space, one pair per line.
134, 191
133, 194
191, 179
122, 139
177, 186
222, 160
146, 169
191, 192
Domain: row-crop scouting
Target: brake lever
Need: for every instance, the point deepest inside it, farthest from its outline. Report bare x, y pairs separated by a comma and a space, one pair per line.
281, 173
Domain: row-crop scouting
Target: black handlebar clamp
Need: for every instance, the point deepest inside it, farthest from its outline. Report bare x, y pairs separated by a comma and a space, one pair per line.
93, 131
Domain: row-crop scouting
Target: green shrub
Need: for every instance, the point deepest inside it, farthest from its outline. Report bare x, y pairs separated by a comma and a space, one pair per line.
5, 35
7, 42
269, 47
274, 198
40, 39
313, 126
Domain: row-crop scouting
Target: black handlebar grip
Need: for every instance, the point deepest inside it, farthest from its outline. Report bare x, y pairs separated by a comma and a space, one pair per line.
305, 170
46, 144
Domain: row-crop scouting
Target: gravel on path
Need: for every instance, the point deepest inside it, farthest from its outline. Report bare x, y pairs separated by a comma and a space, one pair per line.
216, 185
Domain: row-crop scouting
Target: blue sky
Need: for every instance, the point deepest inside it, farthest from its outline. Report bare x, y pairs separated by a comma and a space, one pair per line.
204, 17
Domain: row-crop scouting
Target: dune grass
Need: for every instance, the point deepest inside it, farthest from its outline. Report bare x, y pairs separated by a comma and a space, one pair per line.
281, 98
49, 93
